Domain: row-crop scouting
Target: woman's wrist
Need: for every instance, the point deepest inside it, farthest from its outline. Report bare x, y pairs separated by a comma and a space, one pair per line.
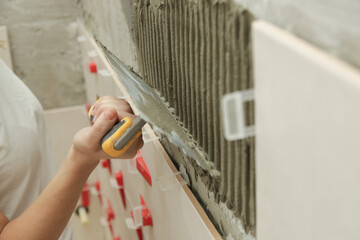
81, 161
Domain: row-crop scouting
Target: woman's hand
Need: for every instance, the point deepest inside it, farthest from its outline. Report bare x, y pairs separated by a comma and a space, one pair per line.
87, 142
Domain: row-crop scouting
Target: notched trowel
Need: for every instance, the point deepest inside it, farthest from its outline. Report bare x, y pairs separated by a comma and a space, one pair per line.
154, 111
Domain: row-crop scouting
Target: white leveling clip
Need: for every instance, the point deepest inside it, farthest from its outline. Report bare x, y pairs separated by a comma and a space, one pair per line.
104, 73
149, 135
171, 181
234, 115
92, 53
137, 220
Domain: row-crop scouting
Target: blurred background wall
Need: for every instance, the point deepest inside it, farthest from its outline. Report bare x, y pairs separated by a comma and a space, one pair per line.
45, 53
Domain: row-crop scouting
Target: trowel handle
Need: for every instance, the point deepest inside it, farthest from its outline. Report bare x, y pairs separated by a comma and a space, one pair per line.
121, 136
116, 134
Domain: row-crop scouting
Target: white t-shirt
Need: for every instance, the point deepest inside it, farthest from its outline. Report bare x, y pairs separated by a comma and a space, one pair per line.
26, 161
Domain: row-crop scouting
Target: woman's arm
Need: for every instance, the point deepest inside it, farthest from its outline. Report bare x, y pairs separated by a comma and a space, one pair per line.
47, 217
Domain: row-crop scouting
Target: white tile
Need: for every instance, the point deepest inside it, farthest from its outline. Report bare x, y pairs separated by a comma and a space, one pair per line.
308, 140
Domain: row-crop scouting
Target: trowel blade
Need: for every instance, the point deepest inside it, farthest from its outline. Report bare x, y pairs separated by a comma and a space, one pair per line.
154, 110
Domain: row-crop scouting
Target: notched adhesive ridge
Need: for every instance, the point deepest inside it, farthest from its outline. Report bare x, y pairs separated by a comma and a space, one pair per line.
193, 52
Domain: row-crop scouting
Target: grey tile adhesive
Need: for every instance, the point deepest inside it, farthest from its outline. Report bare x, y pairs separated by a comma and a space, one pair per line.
192, 52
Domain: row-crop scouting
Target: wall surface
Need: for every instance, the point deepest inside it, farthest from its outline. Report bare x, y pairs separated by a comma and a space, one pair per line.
193, 54
176, 43
44, 49
332, 25
111, 21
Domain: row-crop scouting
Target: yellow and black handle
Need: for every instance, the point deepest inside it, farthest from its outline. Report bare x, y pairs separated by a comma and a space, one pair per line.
121, 136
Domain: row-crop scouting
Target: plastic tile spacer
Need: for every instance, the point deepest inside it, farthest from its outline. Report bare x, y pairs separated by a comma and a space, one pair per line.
92, 67
137, 164
106, 163
140, 216
108, 224
104, 73
171, 181
149, 136
85, 200
136, 220
104, 222
139, 233
131, 165
111, 229
92, 53
110, 216
81, 38
234, 115
143, 170
110, 212
142, 201
146, 215
118, 182
98, 191
117, 238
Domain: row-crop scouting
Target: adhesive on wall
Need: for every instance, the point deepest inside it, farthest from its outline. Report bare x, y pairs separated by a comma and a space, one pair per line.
193, 52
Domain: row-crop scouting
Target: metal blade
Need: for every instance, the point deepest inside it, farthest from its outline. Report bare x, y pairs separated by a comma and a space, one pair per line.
154, 111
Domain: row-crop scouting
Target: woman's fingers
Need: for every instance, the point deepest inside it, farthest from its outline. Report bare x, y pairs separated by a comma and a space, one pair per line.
122, 109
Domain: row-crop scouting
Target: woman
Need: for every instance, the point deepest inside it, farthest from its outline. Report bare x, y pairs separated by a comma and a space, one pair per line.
35, 203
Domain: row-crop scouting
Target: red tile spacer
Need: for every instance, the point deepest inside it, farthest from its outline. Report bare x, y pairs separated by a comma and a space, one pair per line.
107, 164
139, 233
117, 238
142, 168
142, 201
98, 188
139, 229
92, 67
110, 217
111, 229
147, 218
110, 212
145, 212
120, 181
85, 196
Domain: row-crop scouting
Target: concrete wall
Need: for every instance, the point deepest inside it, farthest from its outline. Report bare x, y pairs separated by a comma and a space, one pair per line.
44, 48
111, 22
